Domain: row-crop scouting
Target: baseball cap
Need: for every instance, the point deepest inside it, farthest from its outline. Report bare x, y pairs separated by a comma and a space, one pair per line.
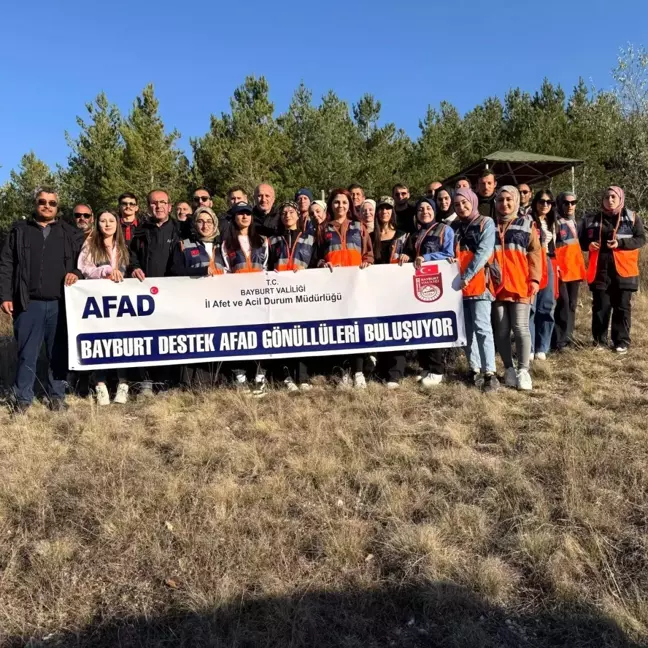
241, 208
385, 201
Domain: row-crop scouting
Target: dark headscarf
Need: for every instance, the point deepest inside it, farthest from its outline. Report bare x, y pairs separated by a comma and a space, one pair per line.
443, 214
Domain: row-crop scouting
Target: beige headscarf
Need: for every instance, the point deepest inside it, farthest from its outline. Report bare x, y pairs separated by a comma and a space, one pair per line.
212, 215
509, 189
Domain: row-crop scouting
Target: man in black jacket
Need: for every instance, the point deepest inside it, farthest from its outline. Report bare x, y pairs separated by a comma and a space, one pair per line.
266, 218
38, 258
486, 186
151, 255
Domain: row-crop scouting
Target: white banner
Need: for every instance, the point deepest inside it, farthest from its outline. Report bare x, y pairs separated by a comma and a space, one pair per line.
180, 320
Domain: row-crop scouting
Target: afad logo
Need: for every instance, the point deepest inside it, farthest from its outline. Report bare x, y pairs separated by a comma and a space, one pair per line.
124, 306
428, 284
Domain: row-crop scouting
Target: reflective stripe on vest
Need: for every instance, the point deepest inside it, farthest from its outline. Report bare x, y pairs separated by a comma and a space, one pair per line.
239, 262
468, 238
196, 256
430, 240
510, 268
568, 253
344, 248
397, 247
626, 262
298, 256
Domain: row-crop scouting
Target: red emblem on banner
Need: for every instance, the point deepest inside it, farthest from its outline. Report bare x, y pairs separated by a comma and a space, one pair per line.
428, 285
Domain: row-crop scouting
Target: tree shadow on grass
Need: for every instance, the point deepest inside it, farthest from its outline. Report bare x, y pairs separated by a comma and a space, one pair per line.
425, 616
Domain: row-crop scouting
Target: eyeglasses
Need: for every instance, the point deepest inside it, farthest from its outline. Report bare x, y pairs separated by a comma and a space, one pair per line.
42, 202
201, 198
156, 203
570, 202
204, 222
524, 191
81, 215
543, 201
125, 203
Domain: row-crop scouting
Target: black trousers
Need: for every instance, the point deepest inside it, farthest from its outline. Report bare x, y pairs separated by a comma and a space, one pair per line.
432, 360
392, 365
612, 303
565, 313
295, 368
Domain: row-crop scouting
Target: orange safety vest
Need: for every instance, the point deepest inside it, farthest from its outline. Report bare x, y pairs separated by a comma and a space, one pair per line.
626, 262
568, 253
510, 267
344, 248
240, 263
468, 238
397, 248
297, 256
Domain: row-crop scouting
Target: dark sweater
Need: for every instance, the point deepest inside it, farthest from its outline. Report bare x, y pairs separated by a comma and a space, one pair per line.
405, 219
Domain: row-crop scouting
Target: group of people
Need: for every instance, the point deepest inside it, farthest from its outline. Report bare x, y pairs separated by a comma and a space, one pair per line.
519, 254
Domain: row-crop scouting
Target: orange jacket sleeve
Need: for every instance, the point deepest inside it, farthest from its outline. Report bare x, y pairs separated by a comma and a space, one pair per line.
534, 256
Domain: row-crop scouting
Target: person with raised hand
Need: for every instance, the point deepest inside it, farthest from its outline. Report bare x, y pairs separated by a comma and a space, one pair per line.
571, 270
474, 245
345, 242
432, 241
105, 256
613, 237
516, 272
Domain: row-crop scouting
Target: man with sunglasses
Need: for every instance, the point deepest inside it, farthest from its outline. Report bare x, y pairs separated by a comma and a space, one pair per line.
128, 209
202, 198
526, 193
83, 219
37, 260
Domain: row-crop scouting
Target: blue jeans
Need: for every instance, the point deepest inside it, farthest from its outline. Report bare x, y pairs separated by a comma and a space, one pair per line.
480, 344
41, 322
541, 319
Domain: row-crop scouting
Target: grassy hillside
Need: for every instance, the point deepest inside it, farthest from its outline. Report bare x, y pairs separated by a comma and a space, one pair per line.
336, 519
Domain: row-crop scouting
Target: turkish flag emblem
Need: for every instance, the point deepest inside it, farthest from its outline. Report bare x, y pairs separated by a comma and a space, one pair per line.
428, 283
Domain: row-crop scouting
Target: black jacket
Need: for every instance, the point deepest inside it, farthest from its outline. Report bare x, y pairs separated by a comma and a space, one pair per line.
606, 274
265, 224
141, 251
486, 206
15, 262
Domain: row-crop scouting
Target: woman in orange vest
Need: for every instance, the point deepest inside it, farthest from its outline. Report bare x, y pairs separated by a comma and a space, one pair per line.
291, 250
571, 270
344, 242
244, 250
515, 272
612, 237
474, 244
541, 320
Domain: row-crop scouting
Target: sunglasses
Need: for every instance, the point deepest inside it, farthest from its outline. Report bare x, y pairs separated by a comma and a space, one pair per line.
42, 202
80, 215
542, 201
201, 198
124, 203
570, 202
525, 192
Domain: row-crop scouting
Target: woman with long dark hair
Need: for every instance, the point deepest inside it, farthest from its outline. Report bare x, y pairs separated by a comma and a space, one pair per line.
444, 198
541, 318
105, 256
244, 251
345, 242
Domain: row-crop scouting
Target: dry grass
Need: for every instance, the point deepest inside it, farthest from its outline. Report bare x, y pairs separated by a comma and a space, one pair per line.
334, 519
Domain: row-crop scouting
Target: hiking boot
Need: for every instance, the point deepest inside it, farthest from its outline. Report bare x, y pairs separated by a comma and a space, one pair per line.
19, 407
290, 385
58, 405
393, 385
103, 397
510, 377
478, 379
305, 387
260, 388
240, 379
121, 397
541, 355
146, 389
345, 381
524, 382
359, 381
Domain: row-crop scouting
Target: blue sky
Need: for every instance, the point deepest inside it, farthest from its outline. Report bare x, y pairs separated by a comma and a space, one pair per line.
56, 56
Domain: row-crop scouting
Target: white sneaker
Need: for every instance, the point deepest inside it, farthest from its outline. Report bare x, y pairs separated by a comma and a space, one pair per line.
531, 357
103, 398
305, 387
359, 381
393, 385
345, 381
510, 377
621, 349
146, 389
290, 385
121, 397
260, 386
240, 379
524, 382
430, 380
541, 355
